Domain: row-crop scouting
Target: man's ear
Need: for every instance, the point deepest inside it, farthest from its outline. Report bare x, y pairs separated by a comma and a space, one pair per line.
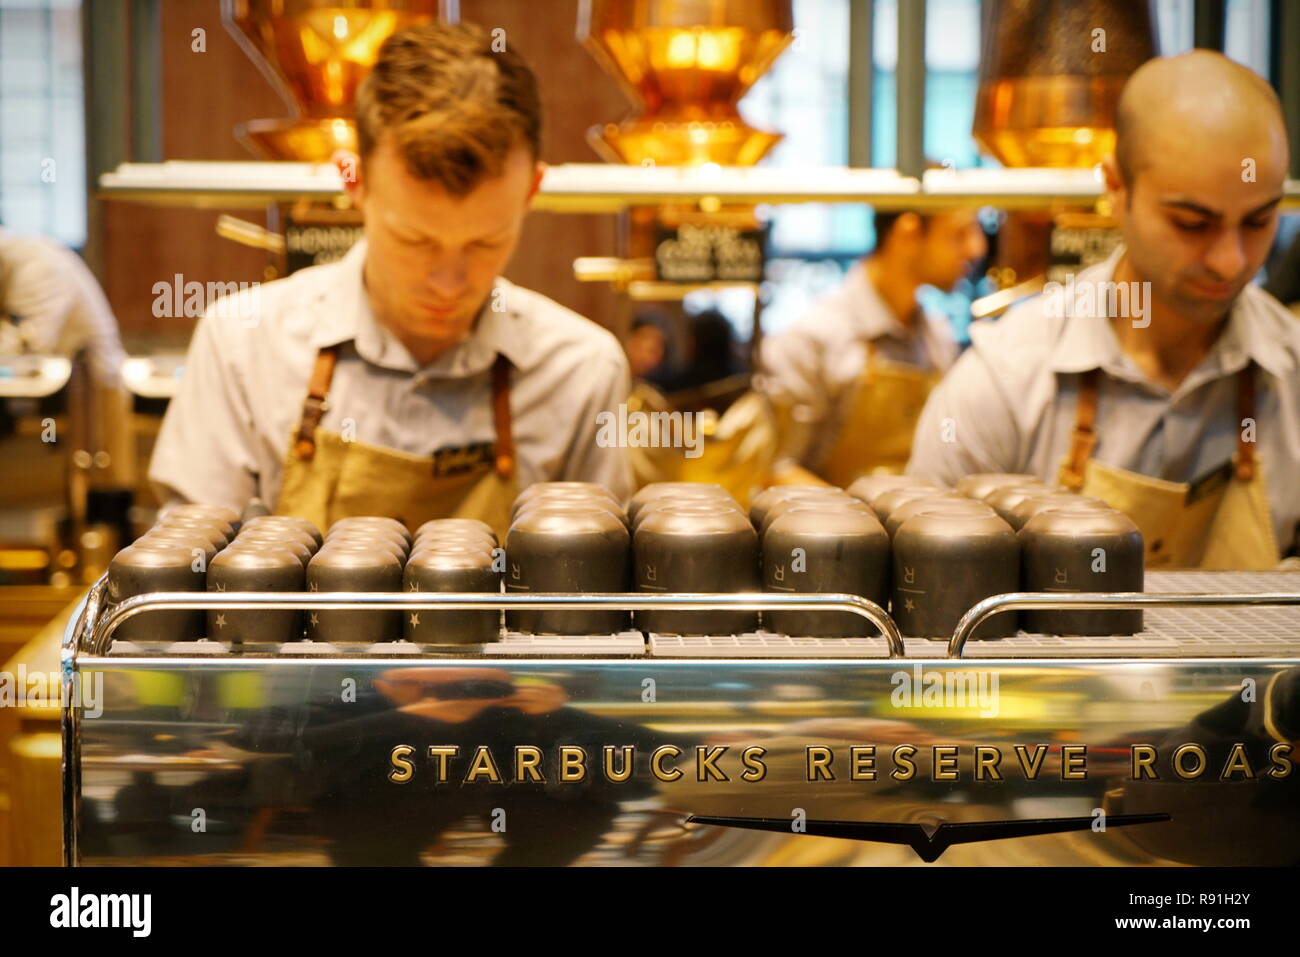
348, 164
1116, 188
539, 171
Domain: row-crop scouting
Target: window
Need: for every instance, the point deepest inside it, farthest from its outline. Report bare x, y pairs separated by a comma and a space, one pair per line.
42, 133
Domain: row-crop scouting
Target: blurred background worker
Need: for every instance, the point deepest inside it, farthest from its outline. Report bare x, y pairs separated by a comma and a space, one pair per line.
848, 380
1183, 408
51, 306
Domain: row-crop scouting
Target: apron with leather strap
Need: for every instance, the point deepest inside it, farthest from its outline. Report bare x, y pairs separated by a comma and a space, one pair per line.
1220, 522
876, 433
327, 477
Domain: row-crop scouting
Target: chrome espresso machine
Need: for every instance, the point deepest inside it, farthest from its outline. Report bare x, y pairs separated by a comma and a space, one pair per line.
759, 692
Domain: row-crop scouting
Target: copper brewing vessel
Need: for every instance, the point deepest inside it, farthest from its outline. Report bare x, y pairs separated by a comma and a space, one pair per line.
315, 53
1050, 75
686, 64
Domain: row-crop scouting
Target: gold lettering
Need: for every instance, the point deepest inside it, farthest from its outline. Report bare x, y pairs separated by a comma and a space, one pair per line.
441, 754
987, 759
1280, 755
862, 763
943, 760
903, 755
1031, 767
755, 768
482, 765
705, 769
1197, 752
1144, 759
1237, 761
819, 764
402, 767
1074, 758
657, 759
528, 761
573, 764
625, 771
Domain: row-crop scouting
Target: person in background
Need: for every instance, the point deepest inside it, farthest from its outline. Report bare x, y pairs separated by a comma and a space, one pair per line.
848, 380
52, 305
1163, 381
408, 379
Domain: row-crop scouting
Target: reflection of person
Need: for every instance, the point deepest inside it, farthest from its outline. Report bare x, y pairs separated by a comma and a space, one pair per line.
370, 820
646, 349
410, 363
1161, 381
849, 379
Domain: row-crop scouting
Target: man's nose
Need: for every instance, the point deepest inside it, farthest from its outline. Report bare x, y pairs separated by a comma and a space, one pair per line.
1226, 257
448, 275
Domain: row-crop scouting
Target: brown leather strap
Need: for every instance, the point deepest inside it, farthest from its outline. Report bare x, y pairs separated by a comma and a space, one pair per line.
313, 407
1084, 439
505, 457
1245, 463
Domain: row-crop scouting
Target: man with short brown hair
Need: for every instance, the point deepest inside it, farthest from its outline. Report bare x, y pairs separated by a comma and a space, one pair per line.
409, 378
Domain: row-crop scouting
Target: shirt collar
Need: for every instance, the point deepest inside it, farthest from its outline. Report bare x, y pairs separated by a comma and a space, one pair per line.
871, 315
345, 316
1089, 342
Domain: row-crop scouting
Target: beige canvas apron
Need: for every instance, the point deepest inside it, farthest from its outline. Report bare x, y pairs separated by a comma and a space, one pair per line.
1228, 526
876, 435
327, 478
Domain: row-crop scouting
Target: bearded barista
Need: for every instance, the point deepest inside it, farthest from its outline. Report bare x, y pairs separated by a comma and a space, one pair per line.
1161, 380
408, 379
848, 381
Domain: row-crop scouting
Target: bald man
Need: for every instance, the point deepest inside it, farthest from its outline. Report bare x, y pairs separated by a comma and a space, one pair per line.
1161, 380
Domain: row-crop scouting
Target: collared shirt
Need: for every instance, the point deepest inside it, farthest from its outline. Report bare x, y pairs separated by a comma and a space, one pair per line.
1009, 404
226, 433
57, 303
813, 366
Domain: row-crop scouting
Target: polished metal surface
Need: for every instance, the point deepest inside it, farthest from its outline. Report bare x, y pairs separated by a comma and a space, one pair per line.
228, 759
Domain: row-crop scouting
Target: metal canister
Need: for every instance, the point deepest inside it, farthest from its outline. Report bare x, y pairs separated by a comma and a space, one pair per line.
826, 550
567, 549
848, 505
980, 484
940, 500
302, 525
156, 567
270, 567
216, 531
945, 561
451, 570
371, 523
1005, 498
262, 541
336, 568
885, 503
693, 549
362, 539
195, 539
769, 498
681, 492
561, 490
1082, 550
575, 499
199, 510
255, 508
1031, 506
436, 527
869, 486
